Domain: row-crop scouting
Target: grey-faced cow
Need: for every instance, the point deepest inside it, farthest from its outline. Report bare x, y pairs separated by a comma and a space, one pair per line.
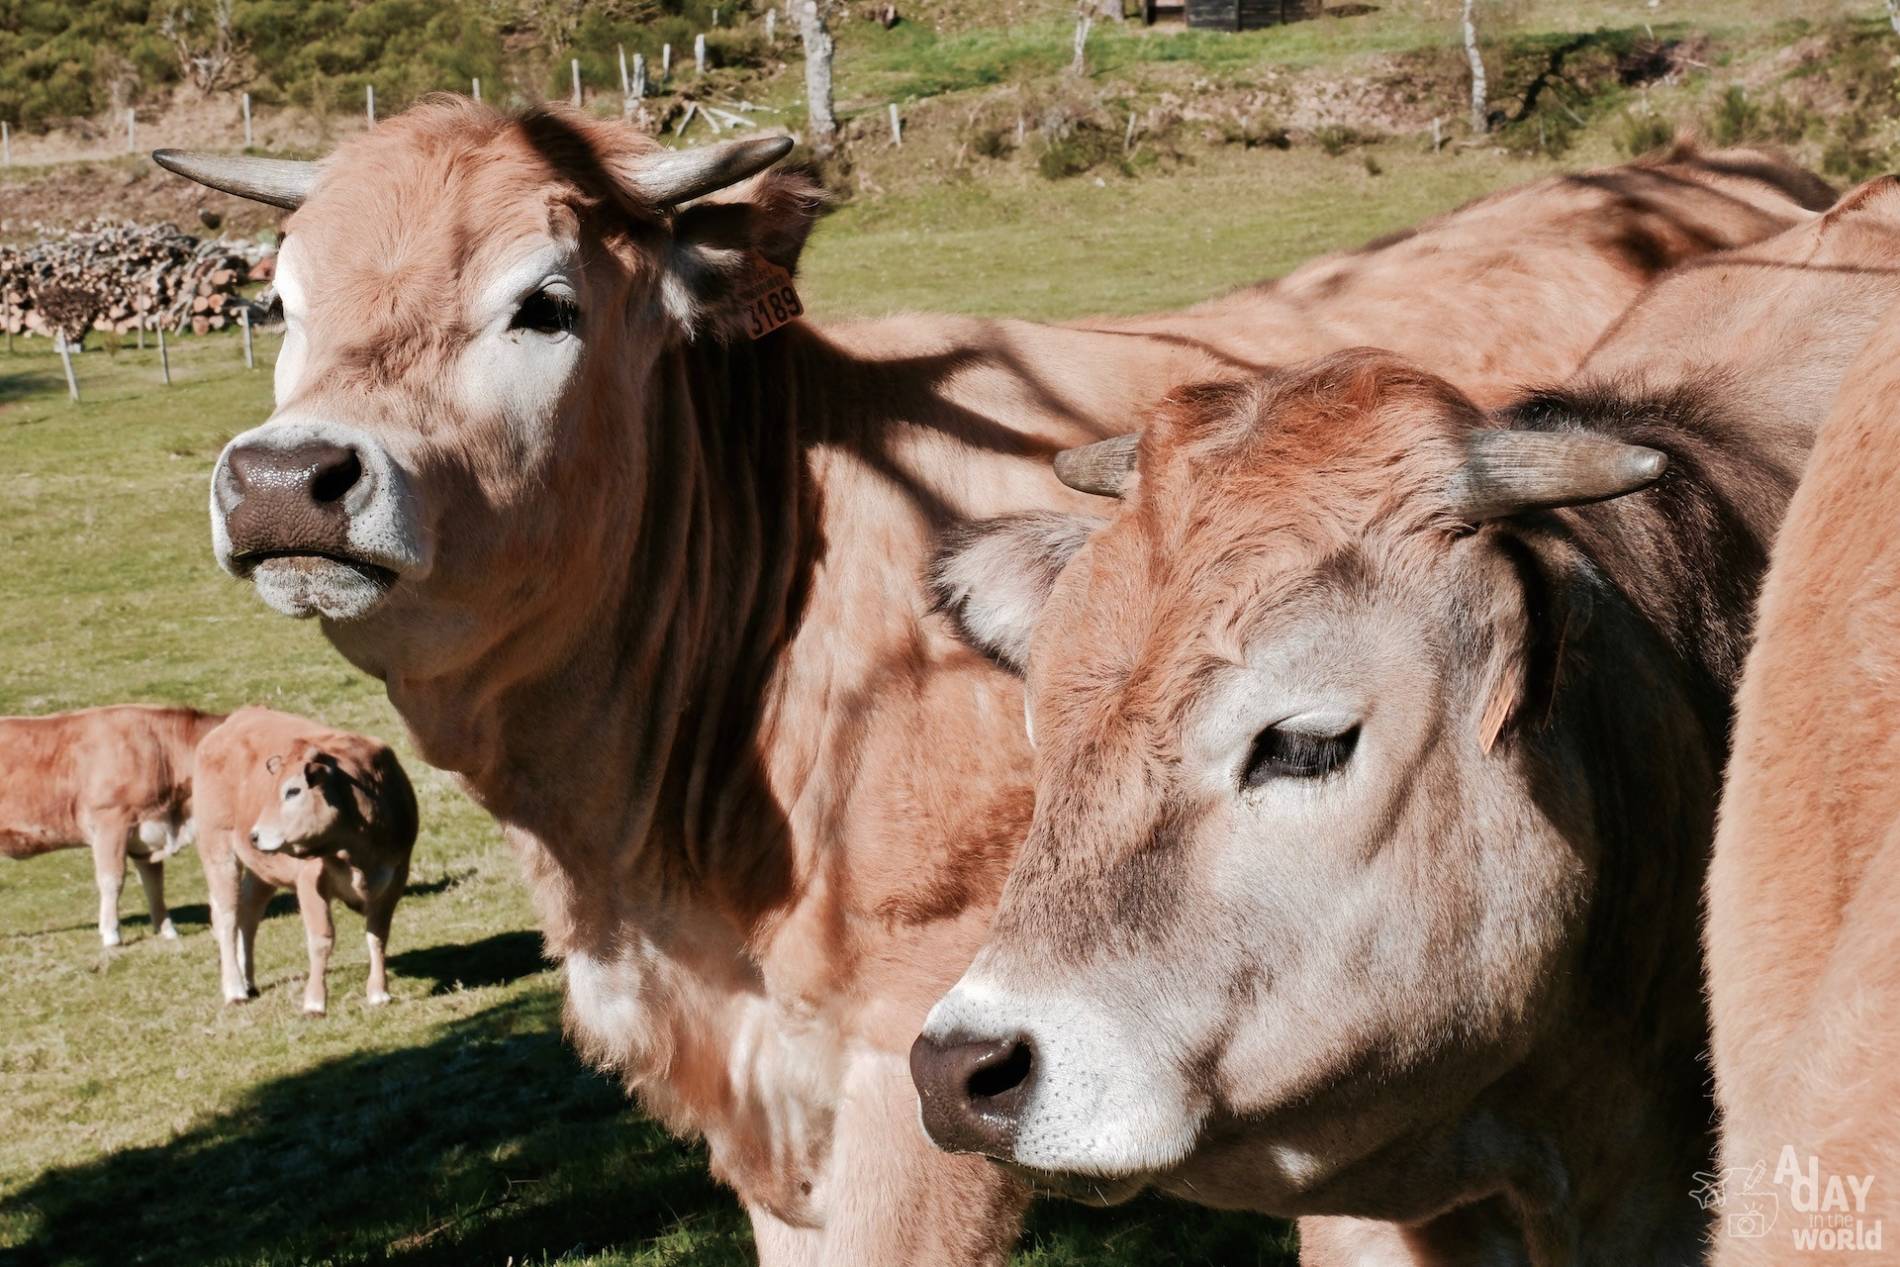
1377, 771
652, 588
288, 803
115, 780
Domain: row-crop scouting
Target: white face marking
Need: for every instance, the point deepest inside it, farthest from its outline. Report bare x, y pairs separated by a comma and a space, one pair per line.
295, 299
522, 374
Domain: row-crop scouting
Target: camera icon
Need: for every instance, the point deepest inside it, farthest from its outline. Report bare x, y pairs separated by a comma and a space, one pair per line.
1747, 1224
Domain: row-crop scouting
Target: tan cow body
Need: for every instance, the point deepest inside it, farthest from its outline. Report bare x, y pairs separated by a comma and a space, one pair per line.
288, 803
655, 596
1373, 799
115, 780
1804, 889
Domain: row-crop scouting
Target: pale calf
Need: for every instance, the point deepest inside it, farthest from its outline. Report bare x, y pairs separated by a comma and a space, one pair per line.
287, 803
115, 780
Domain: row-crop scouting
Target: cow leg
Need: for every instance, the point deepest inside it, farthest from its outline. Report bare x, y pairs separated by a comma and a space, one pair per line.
152, 879
223, 881
378, 910
320, 935
892, 1198
107, 836
253, 897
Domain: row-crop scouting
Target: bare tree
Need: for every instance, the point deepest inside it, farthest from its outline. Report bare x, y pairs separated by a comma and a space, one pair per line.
1480, 118
1084, 19
211, 54
818, 53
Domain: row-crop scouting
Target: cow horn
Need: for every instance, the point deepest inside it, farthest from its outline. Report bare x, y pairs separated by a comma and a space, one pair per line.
1511, 472
281, 182
677, 176
1101, 468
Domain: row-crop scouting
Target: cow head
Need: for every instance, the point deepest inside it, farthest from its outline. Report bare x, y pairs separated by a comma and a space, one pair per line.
1285, 892
466, 397
316, 805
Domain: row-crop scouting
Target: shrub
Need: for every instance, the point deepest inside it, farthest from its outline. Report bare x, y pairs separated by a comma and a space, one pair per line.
1643, 133
1736, 118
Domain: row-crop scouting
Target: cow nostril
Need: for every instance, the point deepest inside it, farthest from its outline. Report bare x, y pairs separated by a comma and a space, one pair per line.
1001, 1076
333, 480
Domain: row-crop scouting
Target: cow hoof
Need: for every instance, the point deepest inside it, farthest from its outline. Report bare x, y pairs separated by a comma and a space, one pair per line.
166, 931
379, 998
313, 1009
232, 1000
109, 940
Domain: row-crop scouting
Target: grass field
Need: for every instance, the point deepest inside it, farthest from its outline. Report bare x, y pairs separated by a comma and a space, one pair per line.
143, 1121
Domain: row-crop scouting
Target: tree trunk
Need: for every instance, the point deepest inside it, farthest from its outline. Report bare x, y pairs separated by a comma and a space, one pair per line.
818, 50
1480, 120
1080, 65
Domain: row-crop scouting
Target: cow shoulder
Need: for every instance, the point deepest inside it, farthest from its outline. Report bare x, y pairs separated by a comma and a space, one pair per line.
992, 576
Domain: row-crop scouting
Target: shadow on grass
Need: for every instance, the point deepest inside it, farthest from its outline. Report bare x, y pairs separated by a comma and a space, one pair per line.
486, 1145
18, 382
495, 960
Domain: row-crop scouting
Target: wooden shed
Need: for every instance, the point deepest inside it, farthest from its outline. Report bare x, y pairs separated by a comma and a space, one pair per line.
1237, 15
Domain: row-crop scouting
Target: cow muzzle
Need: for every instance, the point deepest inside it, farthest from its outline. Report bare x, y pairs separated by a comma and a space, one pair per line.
319, 517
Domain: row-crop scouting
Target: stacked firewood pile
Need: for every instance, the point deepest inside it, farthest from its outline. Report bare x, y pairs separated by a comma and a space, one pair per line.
122, 277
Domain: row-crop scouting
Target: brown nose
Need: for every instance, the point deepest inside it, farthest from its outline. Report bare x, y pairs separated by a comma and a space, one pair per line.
289, 501
973, 1090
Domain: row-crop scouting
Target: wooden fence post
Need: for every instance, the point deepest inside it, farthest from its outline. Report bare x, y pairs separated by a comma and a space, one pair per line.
244, 319
164, 357
369, 102
666, 62
626, 85
6, 143
897, 126
639, 77
66, 358
131, 130
699, 54
574, 67
475, 86
246, 99
771, 26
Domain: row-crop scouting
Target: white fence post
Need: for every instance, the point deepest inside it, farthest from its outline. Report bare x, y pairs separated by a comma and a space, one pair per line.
164, 357
639, 77
699, 54
574, 67
369, 102
475, 86
244, 319
66, 358
666, 62
246, 99
6, 143
897, 126
771, 25
131, 130
626, 88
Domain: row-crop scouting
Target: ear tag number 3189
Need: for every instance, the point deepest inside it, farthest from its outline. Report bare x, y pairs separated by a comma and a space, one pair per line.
768, 299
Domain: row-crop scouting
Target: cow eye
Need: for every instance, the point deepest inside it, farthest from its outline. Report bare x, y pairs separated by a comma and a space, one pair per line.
292, 791
547, 312
1280, 753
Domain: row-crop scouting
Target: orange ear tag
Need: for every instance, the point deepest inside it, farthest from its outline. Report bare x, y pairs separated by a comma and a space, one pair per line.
766, 298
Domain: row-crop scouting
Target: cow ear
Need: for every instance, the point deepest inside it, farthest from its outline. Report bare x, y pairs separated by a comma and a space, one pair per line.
739, 248
993, 576
273, 763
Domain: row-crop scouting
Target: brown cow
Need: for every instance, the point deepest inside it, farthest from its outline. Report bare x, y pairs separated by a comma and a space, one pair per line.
1373, 794
1804, 889
288, 803
653, 591
116, 780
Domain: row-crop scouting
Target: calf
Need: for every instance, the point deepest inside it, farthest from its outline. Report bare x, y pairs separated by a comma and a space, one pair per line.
288, 803
1804, 888
116, 780
1376, 771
